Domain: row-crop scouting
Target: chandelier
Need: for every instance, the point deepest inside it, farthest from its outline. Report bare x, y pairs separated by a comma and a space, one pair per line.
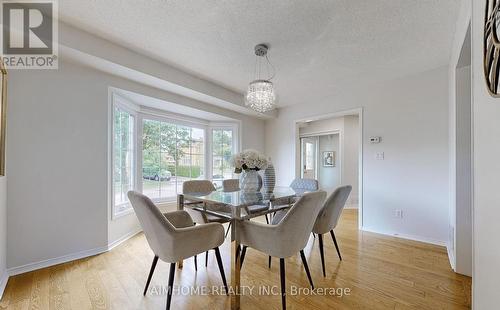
261, 96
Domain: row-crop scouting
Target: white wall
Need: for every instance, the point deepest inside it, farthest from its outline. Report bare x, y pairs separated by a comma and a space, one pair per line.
486, 269
57, 146
329, 177
463, 176
455, 59
350, 157
3, 234
411, 116
56, 151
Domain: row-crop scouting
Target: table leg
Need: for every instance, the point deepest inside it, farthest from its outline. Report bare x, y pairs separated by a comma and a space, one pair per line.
180, 206
235, 261
235, 270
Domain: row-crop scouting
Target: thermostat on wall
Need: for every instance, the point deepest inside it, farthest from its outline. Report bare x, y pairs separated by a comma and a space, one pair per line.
375, 139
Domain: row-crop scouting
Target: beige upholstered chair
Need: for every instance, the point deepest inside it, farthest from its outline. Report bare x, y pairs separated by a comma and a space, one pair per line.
328, 218
173, 237
204, 186
233, 185
305, 184
286, 238
300, 185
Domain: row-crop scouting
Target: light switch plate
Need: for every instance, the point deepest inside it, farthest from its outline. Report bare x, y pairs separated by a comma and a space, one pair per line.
398, 213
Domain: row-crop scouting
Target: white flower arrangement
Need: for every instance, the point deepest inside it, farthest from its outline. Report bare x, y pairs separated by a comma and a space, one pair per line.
249, 160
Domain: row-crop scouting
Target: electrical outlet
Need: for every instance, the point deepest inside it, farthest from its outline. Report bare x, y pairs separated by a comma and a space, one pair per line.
398, 214
379, 155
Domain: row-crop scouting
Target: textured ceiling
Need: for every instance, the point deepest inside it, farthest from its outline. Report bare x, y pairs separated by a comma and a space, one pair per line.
317, 46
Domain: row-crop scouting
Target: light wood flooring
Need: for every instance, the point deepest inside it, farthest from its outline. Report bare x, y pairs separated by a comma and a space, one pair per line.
381, 272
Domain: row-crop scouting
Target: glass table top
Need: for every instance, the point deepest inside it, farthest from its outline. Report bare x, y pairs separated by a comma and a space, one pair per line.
242, 198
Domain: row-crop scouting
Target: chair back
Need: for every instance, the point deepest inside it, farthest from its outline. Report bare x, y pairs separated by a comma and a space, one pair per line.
198, 186
158, 230
297, 224
231, 185
305, 184
330, 213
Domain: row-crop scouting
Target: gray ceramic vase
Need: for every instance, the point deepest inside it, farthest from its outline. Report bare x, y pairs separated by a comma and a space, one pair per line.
269, 178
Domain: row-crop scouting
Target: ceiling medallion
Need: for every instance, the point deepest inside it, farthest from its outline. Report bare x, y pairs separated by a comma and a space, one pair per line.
261, 95
491, 46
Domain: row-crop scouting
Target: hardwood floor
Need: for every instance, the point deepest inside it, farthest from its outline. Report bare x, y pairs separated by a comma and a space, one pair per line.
381, 272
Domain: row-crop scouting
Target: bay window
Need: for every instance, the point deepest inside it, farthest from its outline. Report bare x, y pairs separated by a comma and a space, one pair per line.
171, 154
222, 150
123, 158
155, 153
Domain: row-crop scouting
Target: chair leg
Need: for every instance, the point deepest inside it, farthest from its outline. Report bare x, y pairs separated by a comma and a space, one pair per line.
269, 261
221, 269
335, 242
206, 259
322, 254
242, 258
267, 220
195, 263
227, 231
151, 271
283, 283
170, 284
306, 267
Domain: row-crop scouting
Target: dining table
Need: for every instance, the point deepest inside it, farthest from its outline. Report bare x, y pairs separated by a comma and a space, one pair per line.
238, 203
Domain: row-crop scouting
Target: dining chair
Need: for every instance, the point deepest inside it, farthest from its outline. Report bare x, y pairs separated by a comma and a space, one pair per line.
300, 185
173, 237
286, 238
305, 184
328, 218
205, 186
233, 185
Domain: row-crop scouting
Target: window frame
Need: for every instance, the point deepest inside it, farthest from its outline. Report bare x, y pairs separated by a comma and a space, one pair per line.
235, 136
140, 113
122, 209
166, 118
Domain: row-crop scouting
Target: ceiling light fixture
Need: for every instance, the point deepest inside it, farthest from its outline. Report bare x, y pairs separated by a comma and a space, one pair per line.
261, 96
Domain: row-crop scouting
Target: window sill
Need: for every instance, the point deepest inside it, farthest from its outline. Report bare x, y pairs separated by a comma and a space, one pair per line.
165, 201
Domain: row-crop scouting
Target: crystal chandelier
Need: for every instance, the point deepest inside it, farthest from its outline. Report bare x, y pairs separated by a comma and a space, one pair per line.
261, 96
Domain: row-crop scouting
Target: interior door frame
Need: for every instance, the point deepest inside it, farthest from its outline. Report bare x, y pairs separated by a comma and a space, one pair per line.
357, 111
316, 149
340, 153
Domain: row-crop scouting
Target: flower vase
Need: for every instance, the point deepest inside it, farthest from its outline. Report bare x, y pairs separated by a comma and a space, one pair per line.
269, 178
249, 181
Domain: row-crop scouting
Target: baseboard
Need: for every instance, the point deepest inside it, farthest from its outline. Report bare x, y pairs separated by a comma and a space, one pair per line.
408, 237
55, 261
70, 257
451, 257
351, 206
3, 282
124, 238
